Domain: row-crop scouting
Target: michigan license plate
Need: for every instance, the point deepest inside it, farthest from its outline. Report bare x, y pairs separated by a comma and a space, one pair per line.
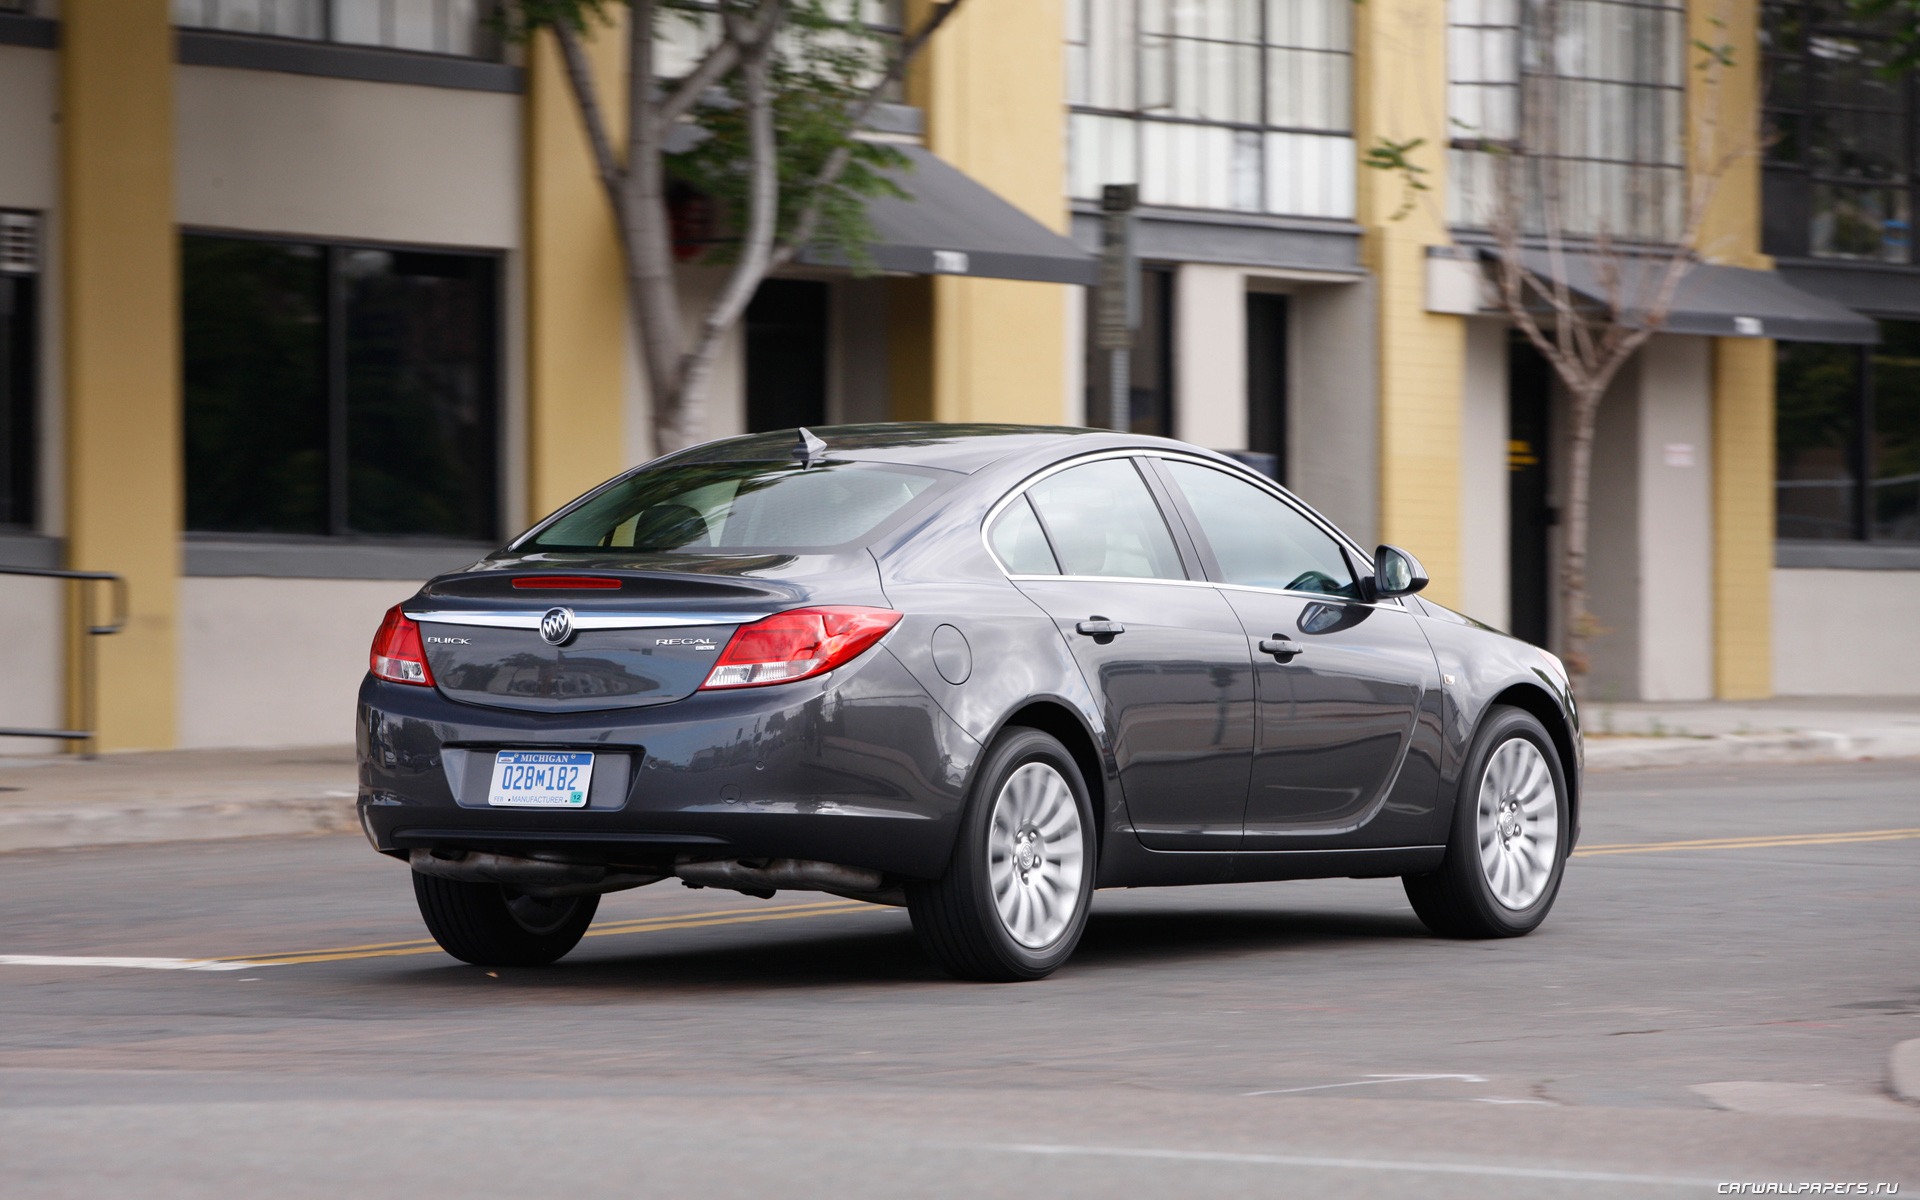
540, 779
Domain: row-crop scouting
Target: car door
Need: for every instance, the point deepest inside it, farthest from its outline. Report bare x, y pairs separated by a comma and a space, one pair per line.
1341, 682
1164, 653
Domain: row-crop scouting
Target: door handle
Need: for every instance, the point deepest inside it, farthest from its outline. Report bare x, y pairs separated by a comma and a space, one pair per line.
1282, 649
1100, 629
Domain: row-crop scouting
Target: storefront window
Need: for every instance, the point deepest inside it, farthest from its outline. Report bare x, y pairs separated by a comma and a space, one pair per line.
1841, 136
458, 27
1848, 439
1216, 104
1590, 93
339, 390
19, 354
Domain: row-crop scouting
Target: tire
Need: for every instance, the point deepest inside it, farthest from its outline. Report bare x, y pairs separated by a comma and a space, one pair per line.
490, 925
1503, 864
1026, 850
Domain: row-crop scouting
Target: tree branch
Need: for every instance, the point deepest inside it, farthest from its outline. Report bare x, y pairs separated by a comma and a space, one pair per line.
587, 95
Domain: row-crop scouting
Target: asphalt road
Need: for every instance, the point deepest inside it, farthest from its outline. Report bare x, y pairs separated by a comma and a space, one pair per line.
1689, 1016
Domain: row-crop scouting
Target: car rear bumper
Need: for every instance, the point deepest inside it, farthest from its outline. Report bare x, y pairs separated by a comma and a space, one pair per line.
860, 767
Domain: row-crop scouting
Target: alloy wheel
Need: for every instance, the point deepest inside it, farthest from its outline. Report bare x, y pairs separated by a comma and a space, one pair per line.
1036, 852
1519, 823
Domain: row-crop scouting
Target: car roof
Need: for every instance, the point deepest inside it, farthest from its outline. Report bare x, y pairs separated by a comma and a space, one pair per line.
950, 447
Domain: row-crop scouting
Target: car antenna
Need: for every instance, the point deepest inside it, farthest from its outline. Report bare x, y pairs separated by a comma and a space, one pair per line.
811, 451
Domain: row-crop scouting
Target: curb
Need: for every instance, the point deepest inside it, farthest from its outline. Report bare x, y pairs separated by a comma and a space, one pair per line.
59, 829
1903, 1070
1811, 746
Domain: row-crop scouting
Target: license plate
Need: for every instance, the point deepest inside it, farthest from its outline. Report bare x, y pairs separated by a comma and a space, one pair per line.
540, 779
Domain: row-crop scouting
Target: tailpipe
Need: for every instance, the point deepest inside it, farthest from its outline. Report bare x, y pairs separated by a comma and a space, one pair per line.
535, 876
764, 876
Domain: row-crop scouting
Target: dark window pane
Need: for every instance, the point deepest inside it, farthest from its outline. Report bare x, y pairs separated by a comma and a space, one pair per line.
1258, 539
1815, 481
421, 426
1896, 429
18, 325
254, 349
1150, 365
1104, 522
738, 505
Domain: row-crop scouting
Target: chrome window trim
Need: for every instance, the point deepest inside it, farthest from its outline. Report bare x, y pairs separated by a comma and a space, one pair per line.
1229, 468
530, 619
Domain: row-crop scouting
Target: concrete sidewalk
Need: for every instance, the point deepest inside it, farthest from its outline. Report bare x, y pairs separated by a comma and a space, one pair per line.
190, 795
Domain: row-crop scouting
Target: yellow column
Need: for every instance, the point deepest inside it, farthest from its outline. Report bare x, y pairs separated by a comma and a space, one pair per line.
576, 293
1400, 93
992, 84
120, 281
1724, 114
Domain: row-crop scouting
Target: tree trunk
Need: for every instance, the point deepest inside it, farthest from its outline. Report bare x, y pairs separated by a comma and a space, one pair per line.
1579, 625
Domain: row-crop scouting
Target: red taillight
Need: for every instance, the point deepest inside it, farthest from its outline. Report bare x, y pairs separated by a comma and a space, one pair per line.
566, 582
398, 656
794, 645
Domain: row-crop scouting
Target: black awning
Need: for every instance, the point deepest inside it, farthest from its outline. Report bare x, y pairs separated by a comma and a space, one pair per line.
1711, 301
952, 225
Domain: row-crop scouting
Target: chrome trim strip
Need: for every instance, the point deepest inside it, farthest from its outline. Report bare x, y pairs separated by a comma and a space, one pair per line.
524, 619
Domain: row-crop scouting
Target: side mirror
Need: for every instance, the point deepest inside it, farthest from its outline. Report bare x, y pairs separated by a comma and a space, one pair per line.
1396, 573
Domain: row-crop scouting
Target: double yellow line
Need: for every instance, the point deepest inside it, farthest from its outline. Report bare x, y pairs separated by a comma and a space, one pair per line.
1755, 843
699, 920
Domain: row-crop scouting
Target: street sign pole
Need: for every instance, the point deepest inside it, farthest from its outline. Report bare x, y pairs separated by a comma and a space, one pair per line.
1118, 308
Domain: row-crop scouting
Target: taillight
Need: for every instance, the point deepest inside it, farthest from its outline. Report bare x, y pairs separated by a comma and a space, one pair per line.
398, 656
794, 645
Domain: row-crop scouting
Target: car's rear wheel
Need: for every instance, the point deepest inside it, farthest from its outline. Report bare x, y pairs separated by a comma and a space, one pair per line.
1014, 900
491, 925
1508, 845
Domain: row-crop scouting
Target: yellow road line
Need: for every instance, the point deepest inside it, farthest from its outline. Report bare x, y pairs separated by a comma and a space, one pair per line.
1755, 843
700, 920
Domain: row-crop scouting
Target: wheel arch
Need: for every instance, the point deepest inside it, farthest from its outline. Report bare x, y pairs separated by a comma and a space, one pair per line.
1535, 700
1059, 721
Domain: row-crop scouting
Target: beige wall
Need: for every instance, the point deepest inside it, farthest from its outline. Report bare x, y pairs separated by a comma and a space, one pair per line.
276, 662
1333, 434
1839, 633
1210, 356
280, 153
32, 662
29, 146
1485, 522
1676, 519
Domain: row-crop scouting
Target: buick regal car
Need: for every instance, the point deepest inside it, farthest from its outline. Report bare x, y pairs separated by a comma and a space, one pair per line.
979, 671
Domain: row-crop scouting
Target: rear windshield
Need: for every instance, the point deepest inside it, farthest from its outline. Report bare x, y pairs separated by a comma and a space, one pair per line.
738, 505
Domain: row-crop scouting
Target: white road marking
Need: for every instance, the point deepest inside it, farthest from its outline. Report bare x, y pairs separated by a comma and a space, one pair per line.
1368, 1082
140, 964
1353, 1164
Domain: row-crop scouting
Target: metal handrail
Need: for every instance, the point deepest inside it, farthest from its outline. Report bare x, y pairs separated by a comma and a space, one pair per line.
118, 588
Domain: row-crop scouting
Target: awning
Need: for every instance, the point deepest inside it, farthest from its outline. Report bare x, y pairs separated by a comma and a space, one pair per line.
952, 225
1711, 301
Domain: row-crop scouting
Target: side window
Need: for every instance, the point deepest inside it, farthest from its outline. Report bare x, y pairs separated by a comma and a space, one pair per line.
1017, 539
1259, 539
1103, 521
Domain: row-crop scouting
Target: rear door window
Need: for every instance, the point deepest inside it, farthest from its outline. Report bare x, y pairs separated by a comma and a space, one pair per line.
1019, 542
1102, 520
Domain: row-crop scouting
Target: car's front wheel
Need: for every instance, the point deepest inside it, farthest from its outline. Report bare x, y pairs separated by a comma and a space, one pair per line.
491, 925
1508, 845
1014, 900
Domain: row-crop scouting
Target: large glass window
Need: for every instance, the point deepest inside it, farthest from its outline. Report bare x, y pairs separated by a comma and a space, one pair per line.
339, 390
1841, 136
1588, 95
1101, 520
1848, 439
460, 27
19, 354
1224, 104
1259, 540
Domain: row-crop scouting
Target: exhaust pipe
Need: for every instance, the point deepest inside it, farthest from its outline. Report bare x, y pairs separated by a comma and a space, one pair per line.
764, 877
535, 876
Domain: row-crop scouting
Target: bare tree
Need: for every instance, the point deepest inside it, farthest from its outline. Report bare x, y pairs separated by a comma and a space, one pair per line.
778, 99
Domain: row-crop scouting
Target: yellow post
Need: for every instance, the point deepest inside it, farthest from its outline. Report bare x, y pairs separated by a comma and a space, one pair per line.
576, 292
120, 282
1400, 93
1743, 412
992, 84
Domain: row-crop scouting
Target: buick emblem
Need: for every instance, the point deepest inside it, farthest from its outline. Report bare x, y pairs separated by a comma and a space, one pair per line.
556, 628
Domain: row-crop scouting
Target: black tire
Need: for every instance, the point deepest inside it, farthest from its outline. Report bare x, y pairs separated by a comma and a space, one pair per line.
489, 925
957, 918
1458, 900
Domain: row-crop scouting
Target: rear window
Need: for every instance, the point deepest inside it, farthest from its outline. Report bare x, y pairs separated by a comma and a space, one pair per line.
739, 506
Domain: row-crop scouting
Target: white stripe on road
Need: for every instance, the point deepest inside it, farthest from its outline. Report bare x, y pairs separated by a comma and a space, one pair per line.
1351, 1164
1368, 1082
141, 964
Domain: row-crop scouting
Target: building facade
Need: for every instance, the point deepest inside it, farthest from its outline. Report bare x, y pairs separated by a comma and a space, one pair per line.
302, 301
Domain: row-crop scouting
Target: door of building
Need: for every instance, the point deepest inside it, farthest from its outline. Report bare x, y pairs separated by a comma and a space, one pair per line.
1530, 513
787, 355
17, 386
1267, 379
